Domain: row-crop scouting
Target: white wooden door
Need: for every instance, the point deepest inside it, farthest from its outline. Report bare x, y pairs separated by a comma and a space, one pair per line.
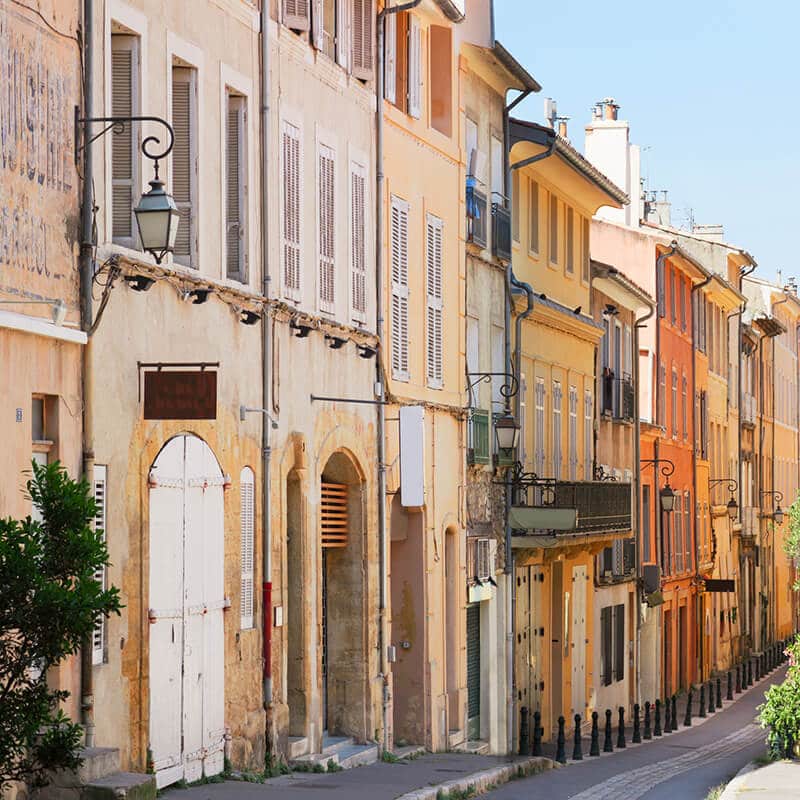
186, 607
579, 640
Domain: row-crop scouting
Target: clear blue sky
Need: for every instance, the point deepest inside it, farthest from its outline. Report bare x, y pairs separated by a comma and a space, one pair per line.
710, 88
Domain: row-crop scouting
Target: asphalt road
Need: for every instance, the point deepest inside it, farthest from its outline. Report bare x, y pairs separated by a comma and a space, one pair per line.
679, 766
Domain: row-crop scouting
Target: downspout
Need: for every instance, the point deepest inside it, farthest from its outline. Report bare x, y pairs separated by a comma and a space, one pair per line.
759, 471
383, 638
86, 270
266, 371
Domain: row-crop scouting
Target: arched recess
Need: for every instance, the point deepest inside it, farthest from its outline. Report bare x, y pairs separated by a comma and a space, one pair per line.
186, 601
343, 598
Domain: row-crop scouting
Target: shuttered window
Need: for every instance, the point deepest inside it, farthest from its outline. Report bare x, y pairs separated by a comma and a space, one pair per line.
124, 151
553, 229
557, 457
433, 248
184, 160
606, 637
296, 14
326, 168
247, 531
290, 146
677, 550
573, 433
645, 525
399, 310
390, 58
687, 530
538, 427
99, 633
619, 642
333, 515
570, 237
533, 221
362, 27
585, 250
674, 404
325, 21
588, 435
358, 250
414, 67
235, 182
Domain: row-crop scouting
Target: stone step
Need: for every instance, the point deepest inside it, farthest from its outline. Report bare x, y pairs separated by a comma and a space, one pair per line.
474, 747
455, 738
297, 746
98, 762
121, 786
343, 751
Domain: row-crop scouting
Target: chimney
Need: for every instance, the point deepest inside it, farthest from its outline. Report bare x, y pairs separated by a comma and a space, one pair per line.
658, 211
610, 108
714, 233
562, 127
550, 111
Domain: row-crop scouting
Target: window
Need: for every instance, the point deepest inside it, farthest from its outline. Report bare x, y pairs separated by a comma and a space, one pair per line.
99, 633
358, 251
44, 432
662, 396
573, 433
588, 435
326, 210
247, 528
660, 290
612, 649
397, 67
553, 229
414, 67
585, 251
235, 183
498, 172
674, 404
361, 39
441, 79
290, 228
296, 14
433, 291
645, 525
687, 530
683, 303
184, 163
677, 554
399, 309
515, 179
672, 298
570, 236
124, 144
538, 427
533, 222
619, 642
556, 430
684, 409
325, 24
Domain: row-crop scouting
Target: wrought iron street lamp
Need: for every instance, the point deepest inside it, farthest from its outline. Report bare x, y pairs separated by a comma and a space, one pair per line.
777, 514
506, 431
733, 486
666, 494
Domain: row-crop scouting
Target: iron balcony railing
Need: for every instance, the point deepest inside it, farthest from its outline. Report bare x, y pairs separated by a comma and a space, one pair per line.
602, 505
617, 398
501, 229
477, 214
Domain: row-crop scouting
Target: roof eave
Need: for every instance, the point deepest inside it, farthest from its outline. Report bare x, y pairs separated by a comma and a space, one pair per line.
451, 11
514, 68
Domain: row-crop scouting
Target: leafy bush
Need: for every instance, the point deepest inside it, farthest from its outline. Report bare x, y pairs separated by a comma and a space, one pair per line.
781, 711
50, 603
791, 544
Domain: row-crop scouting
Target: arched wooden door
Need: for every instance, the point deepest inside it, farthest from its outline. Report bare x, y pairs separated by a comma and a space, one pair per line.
186, 601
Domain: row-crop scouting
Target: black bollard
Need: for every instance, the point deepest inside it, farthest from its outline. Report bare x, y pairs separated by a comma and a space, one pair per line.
687, 718
702, 711
637, 734
674, 712
594, 748
657, 728
561, 755
711, 704
648, 734
667, 717
621, 729
524, 731
719, 692
577, 751
749, 672
729, 693
537, 733
608, 747
738, 679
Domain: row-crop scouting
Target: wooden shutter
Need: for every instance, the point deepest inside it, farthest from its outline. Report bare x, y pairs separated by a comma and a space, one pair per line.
677, 549
538, 427
570, 236
588, 435
619, 641
556, 430
183, 174
333, 515
573, 433
433, 250
247, 531
414, 67
399, 311
362, 36
99, 633
326, 168
342, 34
390, 58
358, 251
290, 144
585, 251
687, 530
234, 190
123, 144
318, 24
553, 229
606, 645
296, 14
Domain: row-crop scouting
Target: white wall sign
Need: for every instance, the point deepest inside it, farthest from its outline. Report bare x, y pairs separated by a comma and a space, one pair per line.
412, 456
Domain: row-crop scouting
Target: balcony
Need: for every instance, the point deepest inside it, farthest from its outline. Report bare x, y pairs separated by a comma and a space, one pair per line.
501, 231
477, 215
617, 563
617, 397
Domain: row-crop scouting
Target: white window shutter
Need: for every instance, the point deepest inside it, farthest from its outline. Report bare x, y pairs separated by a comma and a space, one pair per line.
124, 66
183, 178
317, 23
433, 251
556, 430
538, 428
588, 435
326, 168
358, 251
399, 310
99, 633
290, 144
390, 58
234, 189
573, 433
247, 523
343, 34
296, 14
414, 67
362, 36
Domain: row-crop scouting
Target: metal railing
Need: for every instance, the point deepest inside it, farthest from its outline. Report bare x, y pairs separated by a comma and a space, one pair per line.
477, 214
617, 395
501, 231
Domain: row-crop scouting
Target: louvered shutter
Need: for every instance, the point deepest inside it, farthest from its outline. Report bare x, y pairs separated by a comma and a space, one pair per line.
573, 433
234, 190
399, 310
390, 58
362, 36
318, 24
342, 33
296, 14
123, 149
414, 67
556, 430
291, 211
358, 267
333, 515
325, 234
434, 301
619, 642
99, 633
247, 529
538, 427
606, 645
183, 177
588, 435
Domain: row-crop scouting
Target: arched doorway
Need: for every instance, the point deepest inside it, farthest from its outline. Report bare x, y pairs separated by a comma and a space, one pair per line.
186, 599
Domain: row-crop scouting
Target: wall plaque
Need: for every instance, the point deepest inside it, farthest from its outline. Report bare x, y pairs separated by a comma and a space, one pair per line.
180, 394
719, 585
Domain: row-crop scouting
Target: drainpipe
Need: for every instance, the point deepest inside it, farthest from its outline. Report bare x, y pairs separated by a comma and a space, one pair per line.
86, 270
383, 638
266, 371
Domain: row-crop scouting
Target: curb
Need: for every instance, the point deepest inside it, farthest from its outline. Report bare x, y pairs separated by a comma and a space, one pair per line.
730, 791
479, 782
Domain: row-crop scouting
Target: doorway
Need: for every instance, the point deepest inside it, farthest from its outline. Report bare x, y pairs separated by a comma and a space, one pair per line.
474, 671
186, 598
556, 644
579, 640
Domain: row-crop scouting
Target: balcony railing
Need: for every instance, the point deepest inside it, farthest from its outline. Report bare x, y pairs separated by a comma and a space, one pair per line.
617, 398
501, 231
477, 214
481, 559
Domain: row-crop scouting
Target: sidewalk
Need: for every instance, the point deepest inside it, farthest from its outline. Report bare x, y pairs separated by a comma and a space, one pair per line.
779, 779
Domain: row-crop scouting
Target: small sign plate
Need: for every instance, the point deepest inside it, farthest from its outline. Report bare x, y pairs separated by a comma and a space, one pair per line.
172, 394
719, 585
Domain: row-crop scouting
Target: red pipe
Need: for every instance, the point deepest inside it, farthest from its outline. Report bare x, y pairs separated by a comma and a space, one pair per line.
267, 599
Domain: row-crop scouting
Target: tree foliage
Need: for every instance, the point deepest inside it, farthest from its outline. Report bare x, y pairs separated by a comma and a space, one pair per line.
791, 544
50, 602
781, 710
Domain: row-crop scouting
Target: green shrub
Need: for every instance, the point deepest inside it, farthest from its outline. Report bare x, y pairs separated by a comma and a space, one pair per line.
781, 711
